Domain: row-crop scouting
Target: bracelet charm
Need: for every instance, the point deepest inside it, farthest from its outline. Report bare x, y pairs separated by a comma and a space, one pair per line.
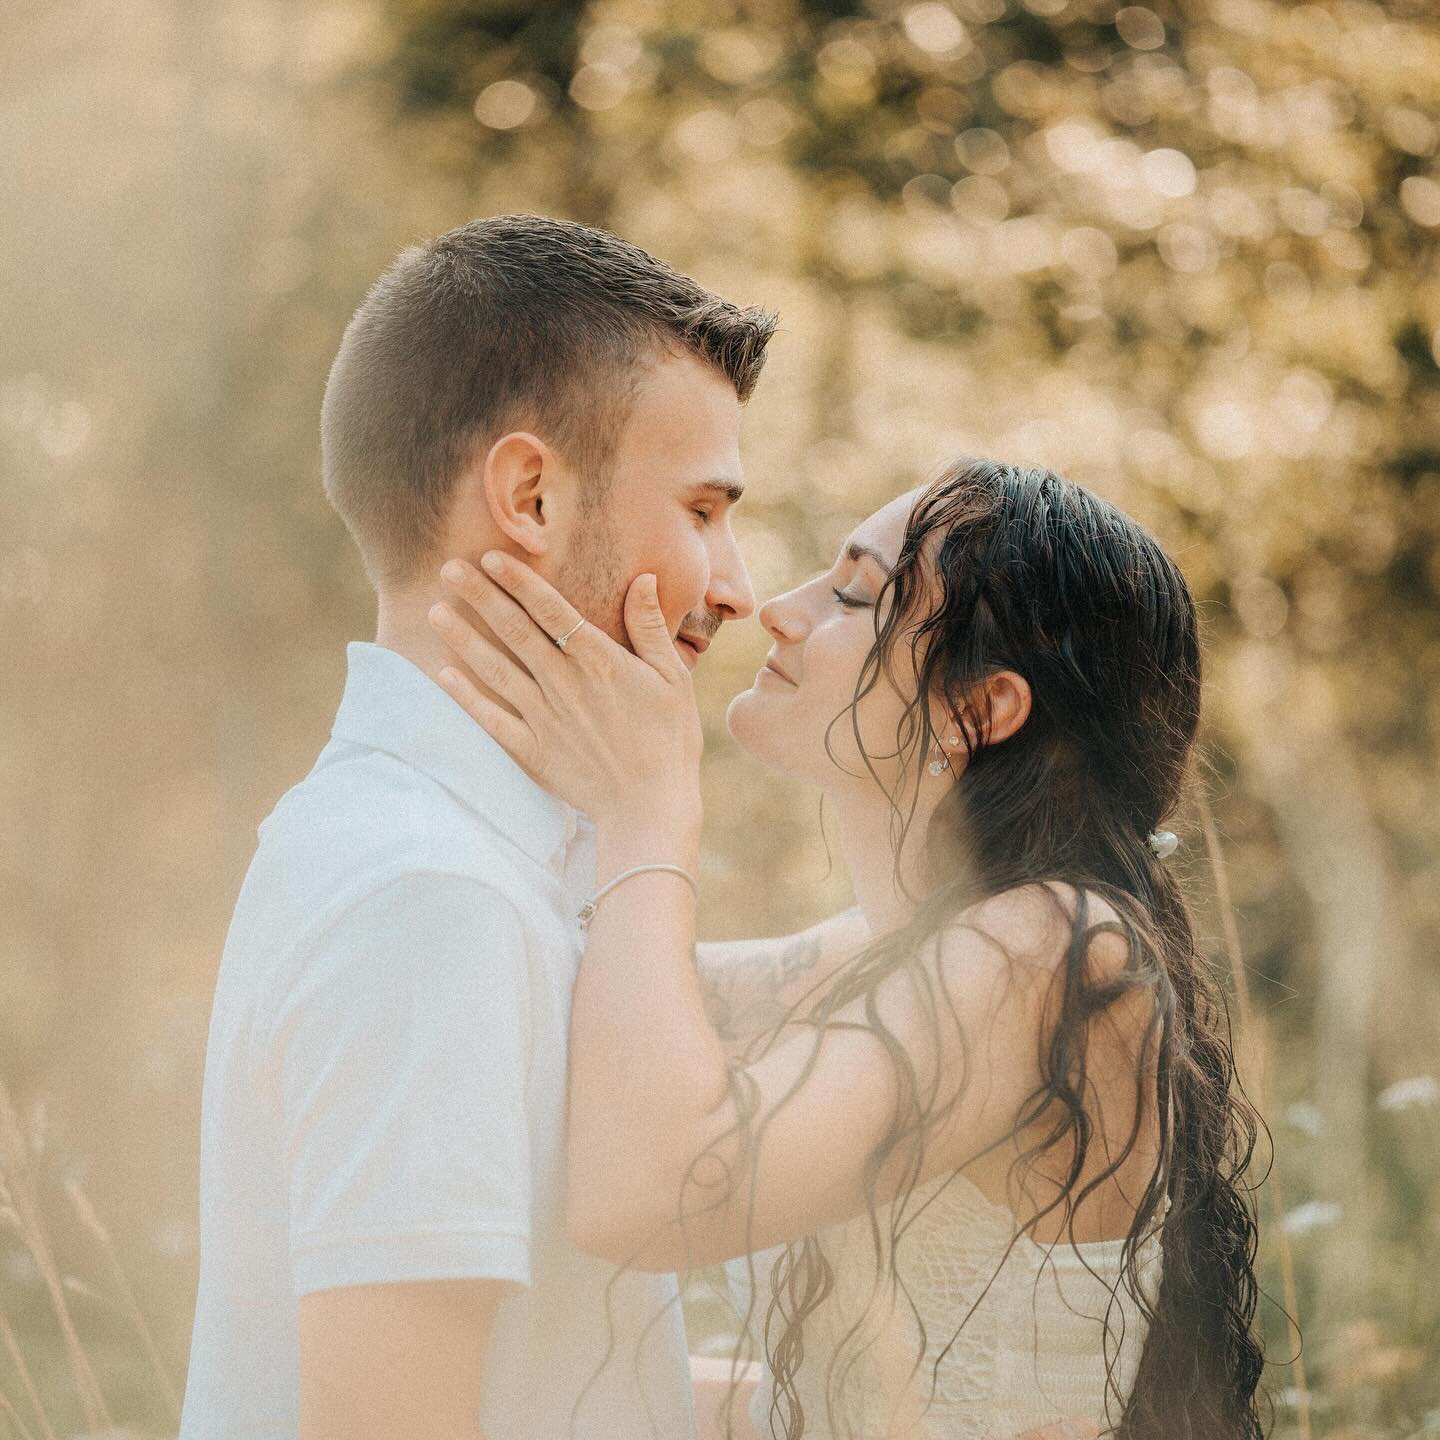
587, 911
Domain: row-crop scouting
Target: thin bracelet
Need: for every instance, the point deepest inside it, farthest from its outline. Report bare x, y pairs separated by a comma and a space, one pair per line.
588, 909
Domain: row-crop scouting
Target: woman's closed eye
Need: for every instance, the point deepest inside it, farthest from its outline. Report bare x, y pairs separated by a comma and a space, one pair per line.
851, 601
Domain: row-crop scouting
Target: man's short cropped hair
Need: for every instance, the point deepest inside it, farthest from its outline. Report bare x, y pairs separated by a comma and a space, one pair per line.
516, 321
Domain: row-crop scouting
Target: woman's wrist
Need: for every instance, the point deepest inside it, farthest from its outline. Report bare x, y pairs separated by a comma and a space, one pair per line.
660, 827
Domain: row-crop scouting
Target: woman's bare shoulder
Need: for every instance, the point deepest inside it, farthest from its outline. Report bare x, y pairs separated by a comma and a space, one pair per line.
1029, 929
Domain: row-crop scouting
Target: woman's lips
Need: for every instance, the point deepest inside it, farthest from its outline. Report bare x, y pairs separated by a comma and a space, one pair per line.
772, 669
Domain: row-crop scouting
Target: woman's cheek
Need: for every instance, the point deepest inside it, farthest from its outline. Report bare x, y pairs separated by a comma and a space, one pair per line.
833, 663
879, 714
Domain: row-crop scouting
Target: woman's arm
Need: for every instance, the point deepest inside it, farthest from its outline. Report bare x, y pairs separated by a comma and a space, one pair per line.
751, 986
651, 1092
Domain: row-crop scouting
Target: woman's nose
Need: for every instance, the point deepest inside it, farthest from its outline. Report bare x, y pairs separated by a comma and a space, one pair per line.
784, 616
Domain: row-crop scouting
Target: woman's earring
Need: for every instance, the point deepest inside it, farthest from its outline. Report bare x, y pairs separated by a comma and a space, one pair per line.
941, 763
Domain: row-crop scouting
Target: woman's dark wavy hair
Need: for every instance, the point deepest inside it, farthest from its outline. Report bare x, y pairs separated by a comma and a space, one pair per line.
1009, 568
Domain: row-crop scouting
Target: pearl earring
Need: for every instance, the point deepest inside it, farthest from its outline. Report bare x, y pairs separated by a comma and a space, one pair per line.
941, 763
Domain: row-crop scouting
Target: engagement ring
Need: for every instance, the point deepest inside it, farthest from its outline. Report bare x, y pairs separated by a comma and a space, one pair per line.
561, 642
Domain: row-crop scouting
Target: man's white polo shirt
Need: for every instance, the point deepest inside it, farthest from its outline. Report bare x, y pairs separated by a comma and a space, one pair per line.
385, 1082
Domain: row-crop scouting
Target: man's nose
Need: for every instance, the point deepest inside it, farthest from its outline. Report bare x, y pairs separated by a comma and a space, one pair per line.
730, 594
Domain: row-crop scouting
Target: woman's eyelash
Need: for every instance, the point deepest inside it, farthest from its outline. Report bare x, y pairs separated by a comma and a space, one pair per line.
849, 601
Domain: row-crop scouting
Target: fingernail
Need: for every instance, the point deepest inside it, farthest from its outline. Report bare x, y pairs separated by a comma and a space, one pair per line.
491, 562
439, 614
453, 571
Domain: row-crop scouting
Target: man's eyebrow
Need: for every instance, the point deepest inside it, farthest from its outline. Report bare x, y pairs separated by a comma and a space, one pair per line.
730, 490
857, 551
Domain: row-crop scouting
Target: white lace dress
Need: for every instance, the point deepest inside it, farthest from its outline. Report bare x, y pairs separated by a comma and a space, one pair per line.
1034, 1350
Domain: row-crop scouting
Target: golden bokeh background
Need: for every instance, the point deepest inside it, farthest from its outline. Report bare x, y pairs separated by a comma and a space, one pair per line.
1184, 252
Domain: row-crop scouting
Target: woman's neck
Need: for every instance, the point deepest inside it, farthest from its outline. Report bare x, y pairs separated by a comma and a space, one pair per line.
866, 824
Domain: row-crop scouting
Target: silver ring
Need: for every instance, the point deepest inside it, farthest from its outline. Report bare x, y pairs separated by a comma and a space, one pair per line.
564, 639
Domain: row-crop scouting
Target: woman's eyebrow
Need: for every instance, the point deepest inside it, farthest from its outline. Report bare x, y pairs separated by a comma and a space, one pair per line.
856, 551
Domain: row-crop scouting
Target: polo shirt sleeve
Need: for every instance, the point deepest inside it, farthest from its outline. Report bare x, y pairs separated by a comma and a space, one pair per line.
399, 1053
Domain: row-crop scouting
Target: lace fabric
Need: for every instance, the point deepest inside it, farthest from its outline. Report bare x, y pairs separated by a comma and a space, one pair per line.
1015, 1334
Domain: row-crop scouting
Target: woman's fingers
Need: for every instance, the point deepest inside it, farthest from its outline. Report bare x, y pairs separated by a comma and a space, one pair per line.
545, 605
490, 664
647, 627
599, 727
508, 620
511, 733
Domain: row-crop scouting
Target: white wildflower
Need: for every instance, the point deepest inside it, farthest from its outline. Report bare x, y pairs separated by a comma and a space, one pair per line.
1312, 1215
1405, 1094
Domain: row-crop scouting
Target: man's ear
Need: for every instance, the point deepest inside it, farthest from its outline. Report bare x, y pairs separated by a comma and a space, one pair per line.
517, 476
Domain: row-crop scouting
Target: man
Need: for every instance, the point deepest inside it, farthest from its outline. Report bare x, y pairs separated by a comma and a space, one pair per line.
383, 1250
382, 1237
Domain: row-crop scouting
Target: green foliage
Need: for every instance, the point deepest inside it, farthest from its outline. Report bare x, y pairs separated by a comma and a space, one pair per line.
448, 51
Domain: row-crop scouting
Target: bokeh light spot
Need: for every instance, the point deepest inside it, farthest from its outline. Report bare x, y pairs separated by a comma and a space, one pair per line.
1261, 607
599, 86
1089, 251
1420, 195
982, 151
935, 29
765, 121
1410, 130
980, 199
1187, 249
1139, 28
1169, 173
505, 105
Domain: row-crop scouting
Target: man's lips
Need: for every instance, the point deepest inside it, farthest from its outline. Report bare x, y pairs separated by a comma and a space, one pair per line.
692, 647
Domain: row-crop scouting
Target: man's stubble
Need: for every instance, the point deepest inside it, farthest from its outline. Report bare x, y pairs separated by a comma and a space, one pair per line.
593, 580
596, 584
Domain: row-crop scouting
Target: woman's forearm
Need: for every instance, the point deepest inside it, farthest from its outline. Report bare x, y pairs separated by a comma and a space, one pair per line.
647, 1068
752, 986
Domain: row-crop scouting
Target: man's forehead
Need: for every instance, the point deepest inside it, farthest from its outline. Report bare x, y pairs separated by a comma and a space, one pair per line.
688, 412
669, 376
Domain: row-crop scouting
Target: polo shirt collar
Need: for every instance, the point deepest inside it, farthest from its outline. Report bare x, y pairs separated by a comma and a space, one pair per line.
391, 705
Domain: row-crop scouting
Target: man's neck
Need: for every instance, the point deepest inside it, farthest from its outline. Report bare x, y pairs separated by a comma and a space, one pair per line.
401, 626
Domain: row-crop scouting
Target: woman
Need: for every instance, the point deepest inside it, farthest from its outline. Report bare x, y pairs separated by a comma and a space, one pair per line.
991, 1165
